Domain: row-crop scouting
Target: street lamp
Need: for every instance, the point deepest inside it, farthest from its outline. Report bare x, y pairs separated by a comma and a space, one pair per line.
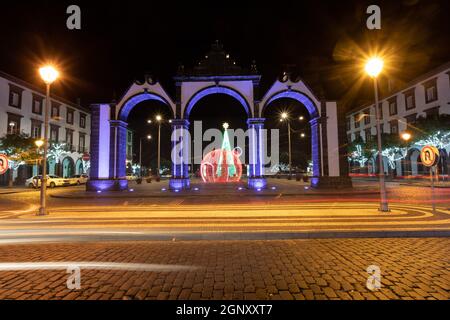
285, 116
11, 126
140, 154
373, 68
48, 74
406, 136
159, 119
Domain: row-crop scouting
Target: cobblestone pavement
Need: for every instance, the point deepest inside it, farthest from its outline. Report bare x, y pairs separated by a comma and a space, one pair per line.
411, 268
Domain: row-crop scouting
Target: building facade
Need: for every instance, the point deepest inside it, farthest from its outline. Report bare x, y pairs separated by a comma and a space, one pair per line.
427, 96
22, 111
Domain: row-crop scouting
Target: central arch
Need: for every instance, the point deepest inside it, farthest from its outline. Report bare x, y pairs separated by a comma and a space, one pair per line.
196, 97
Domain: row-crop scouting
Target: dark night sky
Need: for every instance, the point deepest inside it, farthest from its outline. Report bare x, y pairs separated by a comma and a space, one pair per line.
120, 41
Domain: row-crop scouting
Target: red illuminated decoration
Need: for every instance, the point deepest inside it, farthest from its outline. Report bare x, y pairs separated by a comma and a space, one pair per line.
222, 165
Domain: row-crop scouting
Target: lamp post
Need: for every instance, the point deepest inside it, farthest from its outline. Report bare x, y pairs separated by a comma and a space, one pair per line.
285, 116
48, 74
159, 119
140, 154
373, 68
38, 144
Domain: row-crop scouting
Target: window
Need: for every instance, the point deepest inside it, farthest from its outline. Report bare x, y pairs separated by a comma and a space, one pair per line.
410, 100
69, 117
15, 96
356, 120
69, 137
392, 106
349, 138
411, 118
368, 135
54, 133
13, 124
432, 113
55, 110
37, 104
82, 143
367, 117
430, 91
380, 110
82, 120
347, 123
36, 126
394, 126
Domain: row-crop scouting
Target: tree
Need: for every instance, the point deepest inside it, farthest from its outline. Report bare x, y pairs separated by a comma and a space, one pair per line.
432, 131
19, 148
359, 151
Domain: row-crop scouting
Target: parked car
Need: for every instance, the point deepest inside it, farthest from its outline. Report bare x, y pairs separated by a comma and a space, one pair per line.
79, 179
52, 181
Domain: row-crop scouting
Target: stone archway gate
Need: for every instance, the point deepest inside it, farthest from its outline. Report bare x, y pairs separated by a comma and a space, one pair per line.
217, 73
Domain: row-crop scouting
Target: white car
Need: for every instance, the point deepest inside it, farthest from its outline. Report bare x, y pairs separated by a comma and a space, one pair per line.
79, 179
52, 181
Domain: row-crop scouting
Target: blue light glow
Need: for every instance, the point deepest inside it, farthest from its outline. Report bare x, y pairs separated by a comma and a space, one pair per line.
213, 90
163, 189
273, 188
131, 190
196, 189
99, 191
129, 105
300, 97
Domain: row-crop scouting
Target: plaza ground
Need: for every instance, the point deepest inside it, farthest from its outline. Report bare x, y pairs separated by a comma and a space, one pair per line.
289, 242
278, 269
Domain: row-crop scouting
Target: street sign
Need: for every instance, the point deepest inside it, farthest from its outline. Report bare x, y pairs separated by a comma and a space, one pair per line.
429, 156
86, 156
3, 164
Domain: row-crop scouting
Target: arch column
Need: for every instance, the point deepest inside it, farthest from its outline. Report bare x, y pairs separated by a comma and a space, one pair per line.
256, 179
108, 151
181, 142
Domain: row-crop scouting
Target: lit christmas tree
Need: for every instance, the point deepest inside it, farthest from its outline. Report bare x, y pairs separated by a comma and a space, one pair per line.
222, 165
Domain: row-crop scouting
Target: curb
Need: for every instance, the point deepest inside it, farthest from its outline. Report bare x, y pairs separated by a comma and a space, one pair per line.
231, 236
180, 195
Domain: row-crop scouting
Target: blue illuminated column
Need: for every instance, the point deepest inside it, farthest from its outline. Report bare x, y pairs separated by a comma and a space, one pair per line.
256, 179
118, 159
315, 152
180, 154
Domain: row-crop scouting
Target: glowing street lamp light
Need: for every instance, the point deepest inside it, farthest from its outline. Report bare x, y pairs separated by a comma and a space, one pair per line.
48, 74
373, 68
149, 121
301, 118
406, 136
39, 143
302, 135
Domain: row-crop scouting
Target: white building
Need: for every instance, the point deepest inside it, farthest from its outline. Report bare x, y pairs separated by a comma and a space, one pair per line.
426, 96
22, 110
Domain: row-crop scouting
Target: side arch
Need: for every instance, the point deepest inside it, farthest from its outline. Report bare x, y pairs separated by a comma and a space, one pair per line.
296, 95
132, 101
